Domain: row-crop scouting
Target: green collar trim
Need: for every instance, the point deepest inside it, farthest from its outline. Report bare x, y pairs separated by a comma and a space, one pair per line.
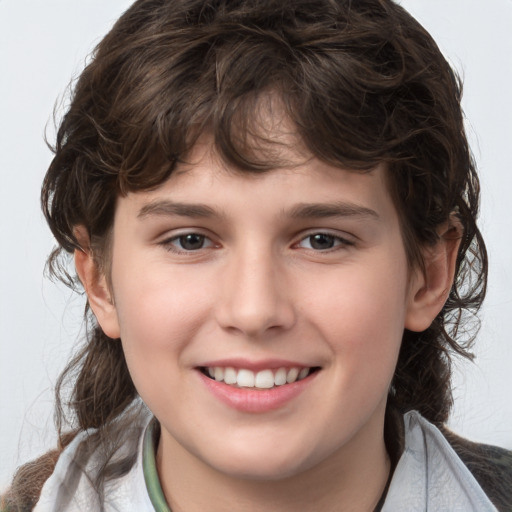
153, 486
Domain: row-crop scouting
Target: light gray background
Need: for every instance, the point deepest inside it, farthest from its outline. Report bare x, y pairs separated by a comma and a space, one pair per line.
43, 43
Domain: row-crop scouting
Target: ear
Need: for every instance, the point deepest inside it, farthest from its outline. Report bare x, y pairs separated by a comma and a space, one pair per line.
430, 287
95, 285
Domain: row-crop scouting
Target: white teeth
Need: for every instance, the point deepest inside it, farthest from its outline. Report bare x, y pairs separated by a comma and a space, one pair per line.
245, 379
292, 375
280, 377
230, 376
264, 379
219, 373
303, 373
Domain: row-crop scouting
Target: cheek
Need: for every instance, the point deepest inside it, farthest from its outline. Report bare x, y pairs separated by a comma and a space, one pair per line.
361, 314
359, 296
159, 315
159, 312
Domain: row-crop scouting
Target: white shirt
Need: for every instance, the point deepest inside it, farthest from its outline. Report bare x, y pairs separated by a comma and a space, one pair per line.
429, 476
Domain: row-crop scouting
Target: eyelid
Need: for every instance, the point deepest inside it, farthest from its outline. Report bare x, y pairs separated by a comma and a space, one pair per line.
345, 239
167, 241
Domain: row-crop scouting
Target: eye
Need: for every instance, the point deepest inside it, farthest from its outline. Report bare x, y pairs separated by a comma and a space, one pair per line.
187, 242
323, 242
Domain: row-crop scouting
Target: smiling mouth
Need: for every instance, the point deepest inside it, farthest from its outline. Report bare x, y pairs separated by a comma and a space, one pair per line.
263, 379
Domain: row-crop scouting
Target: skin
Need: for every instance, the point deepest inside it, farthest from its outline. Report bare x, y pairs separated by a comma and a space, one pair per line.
257, 289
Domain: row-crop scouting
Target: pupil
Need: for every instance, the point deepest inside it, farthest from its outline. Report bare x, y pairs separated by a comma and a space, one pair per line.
192, 242
322, 241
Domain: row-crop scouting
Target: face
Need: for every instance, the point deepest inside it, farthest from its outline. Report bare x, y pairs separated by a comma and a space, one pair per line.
261, 316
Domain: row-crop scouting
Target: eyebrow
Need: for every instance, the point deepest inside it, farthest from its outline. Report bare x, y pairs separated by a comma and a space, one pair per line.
301, 211
170, 208
329, 210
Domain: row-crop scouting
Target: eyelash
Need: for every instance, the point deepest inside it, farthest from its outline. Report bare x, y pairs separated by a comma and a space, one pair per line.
338, 241
168, 243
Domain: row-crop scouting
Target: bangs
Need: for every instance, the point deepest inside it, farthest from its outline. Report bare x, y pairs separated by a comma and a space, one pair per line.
163, 89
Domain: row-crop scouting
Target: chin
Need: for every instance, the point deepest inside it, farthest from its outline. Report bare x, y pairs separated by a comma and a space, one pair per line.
263, 471
262, 465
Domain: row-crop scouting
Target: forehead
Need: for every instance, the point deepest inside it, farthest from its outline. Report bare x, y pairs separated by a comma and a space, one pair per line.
282, 171
207, 186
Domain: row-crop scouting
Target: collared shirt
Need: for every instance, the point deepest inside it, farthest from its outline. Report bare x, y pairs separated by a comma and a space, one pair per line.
429, 476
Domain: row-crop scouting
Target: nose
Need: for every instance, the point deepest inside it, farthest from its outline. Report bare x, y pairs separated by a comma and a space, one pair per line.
255, 299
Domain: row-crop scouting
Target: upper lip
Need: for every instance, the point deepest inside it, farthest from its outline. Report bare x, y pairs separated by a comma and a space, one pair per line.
255, 366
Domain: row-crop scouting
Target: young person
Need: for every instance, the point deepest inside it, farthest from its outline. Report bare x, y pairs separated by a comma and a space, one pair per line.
271, 207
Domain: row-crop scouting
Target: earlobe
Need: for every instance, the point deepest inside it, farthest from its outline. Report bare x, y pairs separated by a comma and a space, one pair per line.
430, 286
95, 285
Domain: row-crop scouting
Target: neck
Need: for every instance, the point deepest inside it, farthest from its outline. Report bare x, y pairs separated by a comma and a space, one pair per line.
352, 478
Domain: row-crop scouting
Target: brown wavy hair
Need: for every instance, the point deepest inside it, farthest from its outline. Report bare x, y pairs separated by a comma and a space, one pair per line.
362, 82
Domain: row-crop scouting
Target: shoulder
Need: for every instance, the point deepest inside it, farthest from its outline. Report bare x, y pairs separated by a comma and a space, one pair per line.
94, 467
430, 475
476, 466
70, 486
26, 484
490, 465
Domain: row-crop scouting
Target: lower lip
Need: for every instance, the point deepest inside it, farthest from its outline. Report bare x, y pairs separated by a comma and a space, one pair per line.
256, 400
